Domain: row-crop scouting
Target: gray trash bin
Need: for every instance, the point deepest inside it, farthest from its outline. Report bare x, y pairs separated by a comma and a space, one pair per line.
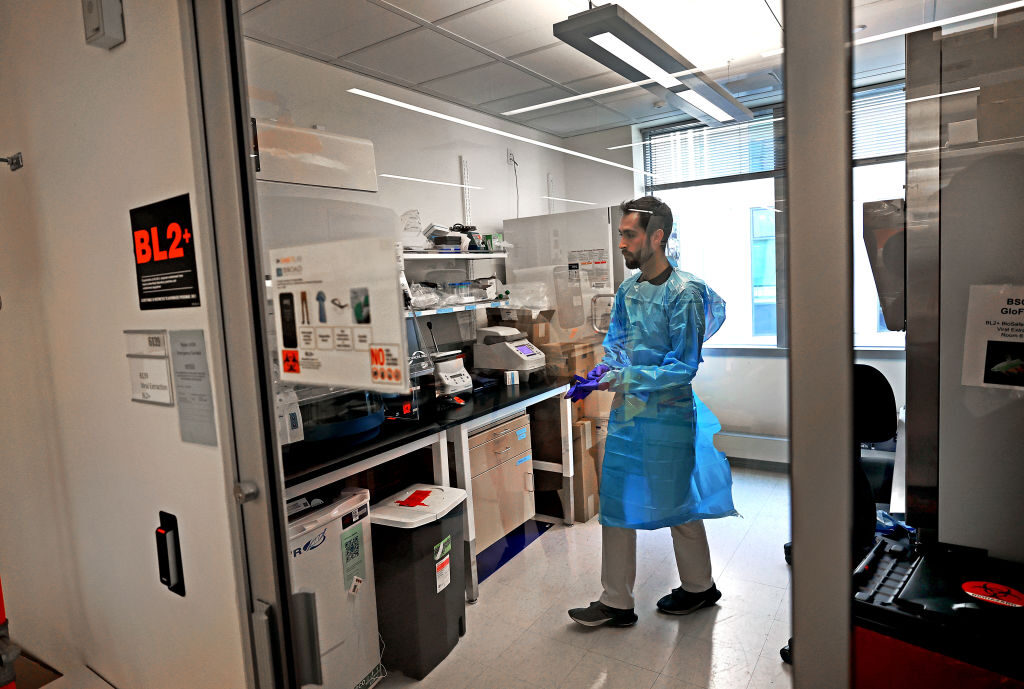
419, 564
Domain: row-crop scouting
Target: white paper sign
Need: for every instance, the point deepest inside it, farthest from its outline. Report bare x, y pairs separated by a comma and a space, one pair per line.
151, 379
994, 338
340, 316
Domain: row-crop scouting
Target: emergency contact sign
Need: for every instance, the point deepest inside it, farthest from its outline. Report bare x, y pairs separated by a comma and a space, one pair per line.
163, 245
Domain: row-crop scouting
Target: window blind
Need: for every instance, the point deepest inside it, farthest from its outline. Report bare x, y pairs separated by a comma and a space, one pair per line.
684, 153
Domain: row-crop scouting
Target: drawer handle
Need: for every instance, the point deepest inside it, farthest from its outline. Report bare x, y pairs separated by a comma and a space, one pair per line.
501, 452
498, 435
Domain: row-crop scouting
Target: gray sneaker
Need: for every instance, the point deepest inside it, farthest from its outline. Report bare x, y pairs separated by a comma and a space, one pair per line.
597, 614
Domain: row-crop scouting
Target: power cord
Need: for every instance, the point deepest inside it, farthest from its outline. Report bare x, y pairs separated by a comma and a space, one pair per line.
515, 171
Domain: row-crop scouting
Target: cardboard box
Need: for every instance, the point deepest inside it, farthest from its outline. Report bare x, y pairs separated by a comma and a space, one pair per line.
534, 323
586, 501
567, 359
598, 404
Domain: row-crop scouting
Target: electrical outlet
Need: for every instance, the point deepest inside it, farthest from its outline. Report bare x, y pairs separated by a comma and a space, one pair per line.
510, 156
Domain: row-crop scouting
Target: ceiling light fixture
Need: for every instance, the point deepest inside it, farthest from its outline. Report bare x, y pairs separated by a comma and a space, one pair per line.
492, 130
942, 95
600, 92
616, 39
700, 102
616, 47
428, 181
555, 198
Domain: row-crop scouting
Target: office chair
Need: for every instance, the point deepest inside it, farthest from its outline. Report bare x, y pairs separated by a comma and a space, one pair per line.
874, 421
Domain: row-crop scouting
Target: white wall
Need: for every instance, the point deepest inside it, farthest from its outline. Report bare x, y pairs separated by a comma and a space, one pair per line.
103, 132
597, 183
37, 561
304, 92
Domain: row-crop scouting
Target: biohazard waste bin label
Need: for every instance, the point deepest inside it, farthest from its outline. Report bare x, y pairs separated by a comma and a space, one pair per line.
163, 241
992, 592
443, 569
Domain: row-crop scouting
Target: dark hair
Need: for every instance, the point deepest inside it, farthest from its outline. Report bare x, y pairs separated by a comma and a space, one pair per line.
654, 215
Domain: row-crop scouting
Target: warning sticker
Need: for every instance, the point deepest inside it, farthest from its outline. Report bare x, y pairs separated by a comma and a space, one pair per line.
443, 570
290, 361
994, 593
385, 364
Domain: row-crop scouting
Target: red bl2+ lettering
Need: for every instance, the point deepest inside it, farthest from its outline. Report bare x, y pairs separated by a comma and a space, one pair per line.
147, 244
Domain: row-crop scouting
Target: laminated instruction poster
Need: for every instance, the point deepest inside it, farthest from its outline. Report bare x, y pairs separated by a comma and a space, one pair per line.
340, 316
994, 339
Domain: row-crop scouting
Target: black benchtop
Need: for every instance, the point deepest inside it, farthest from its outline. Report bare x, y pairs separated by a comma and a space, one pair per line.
307, 460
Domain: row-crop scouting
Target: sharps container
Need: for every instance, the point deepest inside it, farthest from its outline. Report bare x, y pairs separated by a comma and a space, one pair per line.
419, 567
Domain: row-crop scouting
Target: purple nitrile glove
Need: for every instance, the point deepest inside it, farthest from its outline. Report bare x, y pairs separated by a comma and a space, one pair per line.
582, 388
598, 372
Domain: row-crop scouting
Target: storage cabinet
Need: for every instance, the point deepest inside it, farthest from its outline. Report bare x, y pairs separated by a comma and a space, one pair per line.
501, 468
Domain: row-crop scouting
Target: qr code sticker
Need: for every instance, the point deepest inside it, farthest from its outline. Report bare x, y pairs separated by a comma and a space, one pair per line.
352, 549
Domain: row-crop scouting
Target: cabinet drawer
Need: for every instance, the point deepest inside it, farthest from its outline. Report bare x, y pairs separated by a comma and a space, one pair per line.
503, 499
496, 445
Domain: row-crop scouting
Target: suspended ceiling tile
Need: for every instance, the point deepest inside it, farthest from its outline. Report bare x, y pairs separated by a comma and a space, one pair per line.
522, 100
486, 84
562, 63
576, 121
418, 56
636, 105
323, 28
432, 10
510, 27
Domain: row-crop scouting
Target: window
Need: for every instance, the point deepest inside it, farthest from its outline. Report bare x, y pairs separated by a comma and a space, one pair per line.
762, 271
721, 185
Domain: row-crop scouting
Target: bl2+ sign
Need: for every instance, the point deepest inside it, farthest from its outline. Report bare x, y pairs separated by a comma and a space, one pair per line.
163, 244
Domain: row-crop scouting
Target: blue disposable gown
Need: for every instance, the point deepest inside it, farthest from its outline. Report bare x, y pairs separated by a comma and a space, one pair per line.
660, 466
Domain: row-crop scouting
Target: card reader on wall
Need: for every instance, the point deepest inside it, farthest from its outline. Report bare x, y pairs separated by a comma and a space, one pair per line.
168, 554
503, 348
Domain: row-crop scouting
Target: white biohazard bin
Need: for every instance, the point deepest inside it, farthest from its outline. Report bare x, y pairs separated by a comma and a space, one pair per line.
331, 556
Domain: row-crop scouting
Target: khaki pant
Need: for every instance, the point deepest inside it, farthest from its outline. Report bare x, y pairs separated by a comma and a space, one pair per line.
618, 562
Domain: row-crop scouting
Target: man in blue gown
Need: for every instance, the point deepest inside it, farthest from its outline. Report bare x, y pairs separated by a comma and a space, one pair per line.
660, 467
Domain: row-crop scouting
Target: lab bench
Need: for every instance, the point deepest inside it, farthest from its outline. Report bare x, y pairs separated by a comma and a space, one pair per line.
311, 466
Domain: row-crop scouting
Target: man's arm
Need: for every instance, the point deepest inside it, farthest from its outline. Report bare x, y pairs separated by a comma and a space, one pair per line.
679, 366
615, 339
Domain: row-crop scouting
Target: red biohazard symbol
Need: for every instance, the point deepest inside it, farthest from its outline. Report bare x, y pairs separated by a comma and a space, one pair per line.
290, 361
994, 593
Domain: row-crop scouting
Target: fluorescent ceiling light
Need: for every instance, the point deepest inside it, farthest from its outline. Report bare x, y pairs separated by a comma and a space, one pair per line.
704, 105
428, 181
613, 37
492, 130
615, 46
941, 22
555, 198
600, 92
942, 95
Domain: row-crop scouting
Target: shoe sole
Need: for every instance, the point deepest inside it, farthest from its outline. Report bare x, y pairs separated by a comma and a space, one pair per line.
699, 606
604, 623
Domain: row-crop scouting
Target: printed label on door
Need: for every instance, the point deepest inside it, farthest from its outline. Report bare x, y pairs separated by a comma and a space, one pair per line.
444, 573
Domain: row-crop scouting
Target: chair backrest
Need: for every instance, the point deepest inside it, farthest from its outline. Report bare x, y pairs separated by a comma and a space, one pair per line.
874, 406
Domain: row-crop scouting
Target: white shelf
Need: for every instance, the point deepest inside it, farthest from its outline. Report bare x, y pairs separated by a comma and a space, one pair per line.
463, 255
455, 308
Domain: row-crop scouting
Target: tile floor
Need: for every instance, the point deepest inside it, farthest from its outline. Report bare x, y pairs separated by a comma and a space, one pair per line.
519, 635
